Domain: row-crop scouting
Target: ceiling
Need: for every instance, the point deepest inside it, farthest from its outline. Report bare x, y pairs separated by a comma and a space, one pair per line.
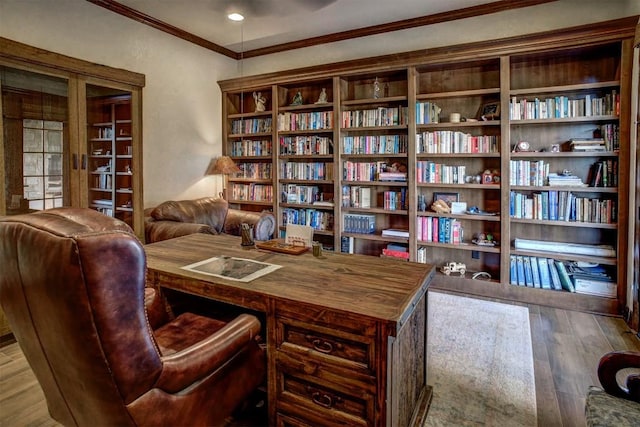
277, 25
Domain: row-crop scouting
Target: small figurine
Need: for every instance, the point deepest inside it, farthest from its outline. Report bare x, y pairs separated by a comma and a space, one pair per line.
260, 102
376, 89
297, 100
454, 267
322, 99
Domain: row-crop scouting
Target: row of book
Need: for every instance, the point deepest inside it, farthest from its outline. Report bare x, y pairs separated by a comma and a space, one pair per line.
375, 144
300, 194
447, 141
317, 219
562, 206
310, 145
604, 173
370, 171
354, 196
254, 170
314, 120
381, 116
427, 112
437, 173
553, 274
359, 223
251, 125
250, 147
395, 200
439, 229
103, 181
252, 192
610, 132
528, 172
316, 171
562, 107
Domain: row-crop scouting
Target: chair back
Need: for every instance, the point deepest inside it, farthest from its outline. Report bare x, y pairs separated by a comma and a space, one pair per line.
72, 288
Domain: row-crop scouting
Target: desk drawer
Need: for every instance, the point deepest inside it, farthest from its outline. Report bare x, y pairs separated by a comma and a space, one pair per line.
320, 404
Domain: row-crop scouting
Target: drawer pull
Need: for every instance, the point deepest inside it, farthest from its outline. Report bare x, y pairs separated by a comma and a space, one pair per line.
321, 345
323, 399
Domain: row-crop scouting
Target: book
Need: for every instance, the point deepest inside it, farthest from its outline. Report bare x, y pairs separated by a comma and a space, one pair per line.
543, 269
513, 270
565, 280
601, 288
553, 272
528, 277
395, 232
565, 247
535, 274
520, 268
365, 197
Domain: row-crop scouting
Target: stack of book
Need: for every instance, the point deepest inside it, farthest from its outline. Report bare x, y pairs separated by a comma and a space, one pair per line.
396, 251
592, 279
587, 144
395, 232
562, 180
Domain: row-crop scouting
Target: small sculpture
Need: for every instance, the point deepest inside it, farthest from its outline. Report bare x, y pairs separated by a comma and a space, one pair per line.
322, 99
454, 267
376, 89
260, 102
297, 100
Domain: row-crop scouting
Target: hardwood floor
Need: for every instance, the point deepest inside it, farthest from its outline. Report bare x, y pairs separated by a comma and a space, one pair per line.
567, 346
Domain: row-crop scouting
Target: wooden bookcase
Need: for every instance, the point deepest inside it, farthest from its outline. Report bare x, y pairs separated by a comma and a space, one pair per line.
396, 110
110, 166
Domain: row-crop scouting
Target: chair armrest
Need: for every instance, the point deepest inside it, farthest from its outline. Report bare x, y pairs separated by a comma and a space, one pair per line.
156, 231
185, 367
154, 304
609, 366
263, 223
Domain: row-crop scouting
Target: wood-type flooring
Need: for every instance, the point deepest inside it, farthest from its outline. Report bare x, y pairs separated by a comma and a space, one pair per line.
567, 346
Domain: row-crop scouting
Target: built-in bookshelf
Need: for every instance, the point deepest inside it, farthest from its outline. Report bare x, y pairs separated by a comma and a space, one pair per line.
110, 156
526, 144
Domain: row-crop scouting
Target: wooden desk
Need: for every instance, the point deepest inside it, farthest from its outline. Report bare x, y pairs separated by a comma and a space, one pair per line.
346, 334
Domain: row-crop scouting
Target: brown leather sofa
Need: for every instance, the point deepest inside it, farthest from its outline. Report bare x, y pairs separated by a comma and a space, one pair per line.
73, 289
205, 215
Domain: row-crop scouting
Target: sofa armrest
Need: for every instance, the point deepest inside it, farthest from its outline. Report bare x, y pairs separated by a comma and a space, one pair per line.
609, 366
263, 223
156, 231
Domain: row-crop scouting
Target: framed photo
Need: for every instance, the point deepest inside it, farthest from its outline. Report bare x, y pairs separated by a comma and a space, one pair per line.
489, 111
448, 198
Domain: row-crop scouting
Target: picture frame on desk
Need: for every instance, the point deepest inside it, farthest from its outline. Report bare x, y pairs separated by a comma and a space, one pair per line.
489, 111
448, 198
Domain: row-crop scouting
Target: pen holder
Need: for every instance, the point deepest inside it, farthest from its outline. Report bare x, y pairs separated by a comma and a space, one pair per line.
246, 233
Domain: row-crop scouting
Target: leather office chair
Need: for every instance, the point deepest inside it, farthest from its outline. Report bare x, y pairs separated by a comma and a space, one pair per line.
73, 289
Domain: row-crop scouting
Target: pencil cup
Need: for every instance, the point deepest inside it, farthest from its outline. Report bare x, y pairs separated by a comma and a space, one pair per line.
317, 249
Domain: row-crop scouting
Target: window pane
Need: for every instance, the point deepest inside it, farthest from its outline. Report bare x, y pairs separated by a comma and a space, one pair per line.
33, 187
53, 141
53, 186
32, 140
53, 164
52, 125
32, 164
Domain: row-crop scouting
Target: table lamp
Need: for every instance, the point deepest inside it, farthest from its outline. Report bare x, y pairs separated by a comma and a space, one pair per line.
223, 165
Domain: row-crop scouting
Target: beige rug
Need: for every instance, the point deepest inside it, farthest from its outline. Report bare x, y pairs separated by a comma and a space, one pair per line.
480, 363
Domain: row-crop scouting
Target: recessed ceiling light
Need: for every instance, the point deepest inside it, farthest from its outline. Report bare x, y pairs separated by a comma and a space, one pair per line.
235, 17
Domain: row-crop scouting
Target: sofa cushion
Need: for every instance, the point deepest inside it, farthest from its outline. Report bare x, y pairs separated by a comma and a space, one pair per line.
207, 210
603, 409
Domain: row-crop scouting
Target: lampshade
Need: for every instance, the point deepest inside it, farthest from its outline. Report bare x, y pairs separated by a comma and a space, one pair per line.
223, 165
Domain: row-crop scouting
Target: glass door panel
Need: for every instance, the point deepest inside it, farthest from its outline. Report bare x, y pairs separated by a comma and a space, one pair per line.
36, 149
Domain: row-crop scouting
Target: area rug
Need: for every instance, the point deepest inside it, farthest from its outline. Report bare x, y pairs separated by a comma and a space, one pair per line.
479, 363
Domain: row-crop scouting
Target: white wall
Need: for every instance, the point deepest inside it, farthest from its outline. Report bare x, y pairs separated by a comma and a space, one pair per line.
181, 100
